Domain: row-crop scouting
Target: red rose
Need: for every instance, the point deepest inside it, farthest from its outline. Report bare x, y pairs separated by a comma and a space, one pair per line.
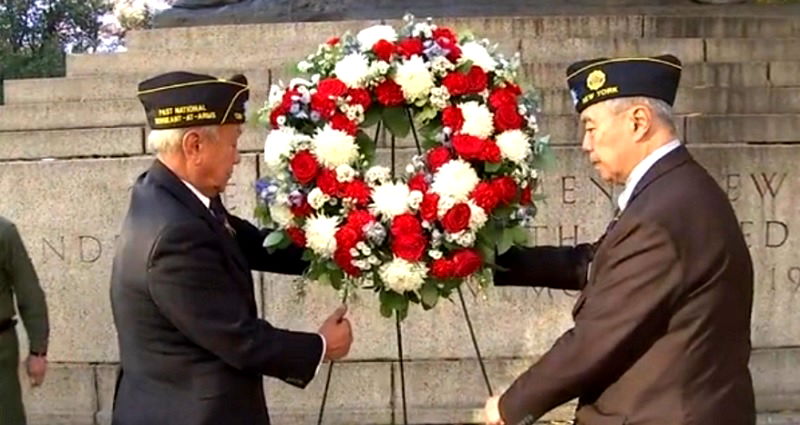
466, 262
389, 93
406, 224
514, 88
429, 208
332, 87
455, 52
491, 152
478, 80
384, 50
410, 47
357, 219
327, 183
418, 183
456, 83
302, 210
457, 218
453, 118
444, 33
332, 41
344, 260
485, 196
505, 188
502, 97
526, 198
304, 167
360, 97
359, 191
507, 118
468, 147
438, 157
442, 268
341, 122
409, 246
297, 235
347, 237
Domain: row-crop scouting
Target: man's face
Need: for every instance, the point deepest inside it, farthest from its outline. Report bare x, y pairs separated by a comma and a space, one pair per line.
608, 138
218, 153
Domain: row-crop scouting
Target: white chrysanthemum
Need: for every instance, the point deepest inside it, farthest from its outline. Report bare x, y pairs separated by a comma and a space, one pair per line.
320, 234
317, 198
415, 199
414, 78
281, 214
514, 145
277, 148
479, 56
378, 175
477, 216
390, 199
478, 119
455, 179
334, 147
444, 205
352, 69
345, 173
401, 276
368, 37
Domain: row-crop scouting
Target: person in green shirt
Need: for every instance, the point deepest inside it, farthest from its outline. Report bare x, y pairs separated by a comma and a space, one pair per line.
18, 279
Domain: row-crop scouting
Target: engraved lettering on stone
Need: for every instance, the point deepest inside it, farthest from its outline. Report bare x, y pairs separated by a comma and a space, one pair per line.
90, 248
794, 277
57, 249
777, 232
565, 238
745, 231
568, 190
768, 184
607, 192
732, 186
536, 233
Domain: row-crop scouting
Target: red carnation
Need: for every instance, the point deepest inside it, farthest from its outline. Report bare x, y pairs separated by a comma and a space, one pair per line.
304, 166
485, 196
344, 260
429, 208
453, 118
478, 80
297, 235
409, 246
384, 50
302, 210
406, 224
526, 198
418, 183
347, 237
274, 115
323, 104
502, 97
491, 152
327, 183
456, 83
507, 118
457, 218
357, 219
332, 41
514, 88
505, 188
438, 157
443, 268
444, 33
389, 93
341, 122
360, 97
466, 262
359, 191
455, 52
468, 147
409, 47
332, 87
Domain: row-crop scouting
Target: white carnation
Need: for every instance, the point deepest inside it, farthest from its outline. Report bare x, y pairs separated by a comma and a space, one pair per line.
317, 198
414, 78
479, 56
415, 199
334, 147
277, 148
352, 69
435, 254
401, 276
368, 37
478, 119
514, 145
281, 214
345, 173
477, 216
455, 179
275, 96
378, 175
444, 205
320, 234
390, 199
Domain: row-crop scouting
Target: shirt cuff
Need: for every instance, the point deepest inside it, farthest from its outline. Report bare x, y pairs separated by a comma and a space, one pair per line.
322, 356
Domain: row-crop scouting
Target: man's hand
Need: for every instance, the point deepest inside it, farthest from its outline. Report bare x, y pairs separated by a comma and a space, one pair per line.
492, 411
36, 367
337, 333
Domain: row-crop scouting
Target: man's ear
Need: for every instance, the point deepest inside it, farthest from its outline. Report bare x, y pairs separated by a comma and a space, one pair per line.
190, 144
642, 121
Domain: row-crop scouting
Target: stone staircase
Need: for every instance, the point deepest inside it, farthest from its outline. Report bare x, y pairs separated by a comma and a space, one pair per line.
738, 109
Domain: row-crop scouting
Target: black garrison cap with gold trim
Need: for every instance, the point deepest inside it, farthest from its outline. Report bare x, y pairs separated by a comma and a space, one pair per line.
183, 99
600, 79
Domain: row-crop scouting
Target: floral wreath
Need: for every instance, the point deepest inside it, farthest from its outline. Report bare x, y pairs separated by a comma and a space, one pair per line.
465, 198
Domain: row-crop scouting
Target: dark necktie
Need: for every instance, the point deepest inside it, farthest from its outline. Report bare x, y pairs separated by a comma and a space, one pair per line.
219, 212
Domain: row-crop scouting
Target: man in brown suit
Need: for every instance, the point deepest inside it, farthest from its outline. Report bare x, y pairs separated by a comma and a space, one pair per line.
662, 324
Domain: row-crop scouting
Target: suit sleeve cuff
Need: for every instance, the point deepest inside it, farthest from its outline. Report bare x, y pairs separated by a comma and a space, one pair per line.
322, 356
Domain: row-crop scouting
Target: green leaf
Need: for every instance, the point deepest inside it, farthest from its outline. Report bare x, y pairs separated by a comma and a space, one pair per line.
487, 252
505, 241
308, 255
386, 310
324, 279
492, 167
428, 113
337, 278
393, 302
396, 121
366, 145
429, 294
520, 235
274, 239
465, 67
371, 117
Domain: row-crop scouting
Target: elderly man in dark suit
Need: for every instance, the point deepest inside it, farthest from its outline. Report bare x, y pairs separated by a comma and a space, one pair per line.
193, 350
662, 324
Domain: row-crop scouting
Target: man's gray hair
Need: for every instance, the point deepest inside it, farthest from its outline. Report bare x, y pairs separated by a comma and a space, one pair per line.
661, 109
169, 140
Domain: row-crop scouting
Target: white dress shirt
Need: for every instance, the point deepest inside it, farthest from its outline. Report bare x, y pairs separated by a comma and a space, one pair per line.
207, 202
641, 169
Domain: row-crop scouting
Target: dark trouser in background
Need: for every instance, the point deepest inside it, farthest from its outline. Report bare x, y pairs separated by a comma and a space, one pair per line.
11, 410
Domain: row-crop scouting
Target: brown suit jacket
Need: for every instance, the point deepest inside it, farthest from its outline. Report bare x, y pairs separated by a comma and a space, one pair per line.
662, 325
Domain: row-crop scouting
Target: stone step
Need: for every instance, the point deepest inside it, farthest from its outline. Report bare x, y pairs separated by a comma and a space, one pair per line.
265, 56
98, 142
532, 27
545, 76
